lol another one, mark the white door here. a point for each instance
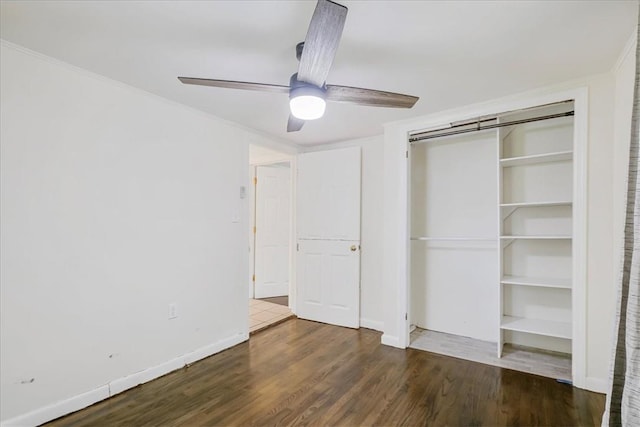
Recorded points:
(328, 237)
(272, 231)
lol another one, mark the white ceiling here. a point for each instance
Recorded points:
(449, 53)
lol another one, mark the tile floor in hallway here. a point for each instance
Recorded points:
(263, 314)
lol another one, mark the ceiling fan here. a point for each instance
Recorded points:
(307, 89)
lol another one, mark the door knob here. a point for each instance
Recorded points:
(353, 248)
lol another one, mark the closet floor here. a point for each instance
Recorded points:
(546, 364)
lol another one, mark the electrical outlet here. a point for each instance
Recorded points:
(173, 313)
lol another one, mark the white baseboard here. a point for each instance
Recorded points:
(51, 412)
(371, 324)
(214, 348)
(390, 340)
(75, 403)
(125, 383)
(599, 385)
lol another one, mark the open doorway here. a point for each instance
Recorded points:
(270, 238)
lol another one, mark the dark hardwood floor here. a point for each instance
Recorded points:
(277, 300)
(302, 372)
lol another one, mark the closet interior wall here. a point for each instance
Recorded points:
(453, 228)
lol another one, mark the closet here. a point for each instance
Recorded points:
(492, 226)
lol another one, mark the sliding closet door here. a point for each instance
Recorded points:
(454, 258)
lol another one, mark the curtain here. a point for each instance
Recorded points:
(623, 399)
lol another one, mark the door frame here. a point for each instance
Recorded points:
(291, 160)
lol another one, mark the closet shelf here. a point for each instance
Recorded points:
(535, 204)
(537, 158)
(548, 328)
(537, 282)
(535, 226)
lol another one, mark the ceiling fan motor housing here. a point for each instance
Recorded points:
(307, 88)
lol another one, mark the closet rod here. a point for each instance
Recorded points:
(455, 238)
(423, 136)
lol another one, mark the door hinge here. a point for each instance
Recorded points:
(254, 230)
(253, 278)
(406, 153)
(255, 180)
(406, 316)
(297, 246)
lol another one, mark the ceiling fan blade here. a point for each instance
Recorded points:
(321, 42)
(370, 97)
(230, 84)
(294, 124)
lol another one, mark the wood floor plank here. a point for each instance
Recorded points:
(308, 373)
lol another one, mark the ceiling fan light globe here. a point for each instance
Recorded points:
(307, 107)
(306, 102)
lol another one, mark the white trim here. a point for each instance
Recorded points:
(268, 140)
(391, 341)
(75, 403)
(404, 239)
(371, 324)
(396, 236)
(293, 289)
(628, 49)
(579, 243)
(216, 347)
(57, 410)
(252, 236)
(597, 385)
(125, 383)
(286, 158)
(397, 207)
(359, 142)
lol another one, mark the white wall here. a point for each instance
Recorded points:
(600, 292)
(371, 225)
(115, 203)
